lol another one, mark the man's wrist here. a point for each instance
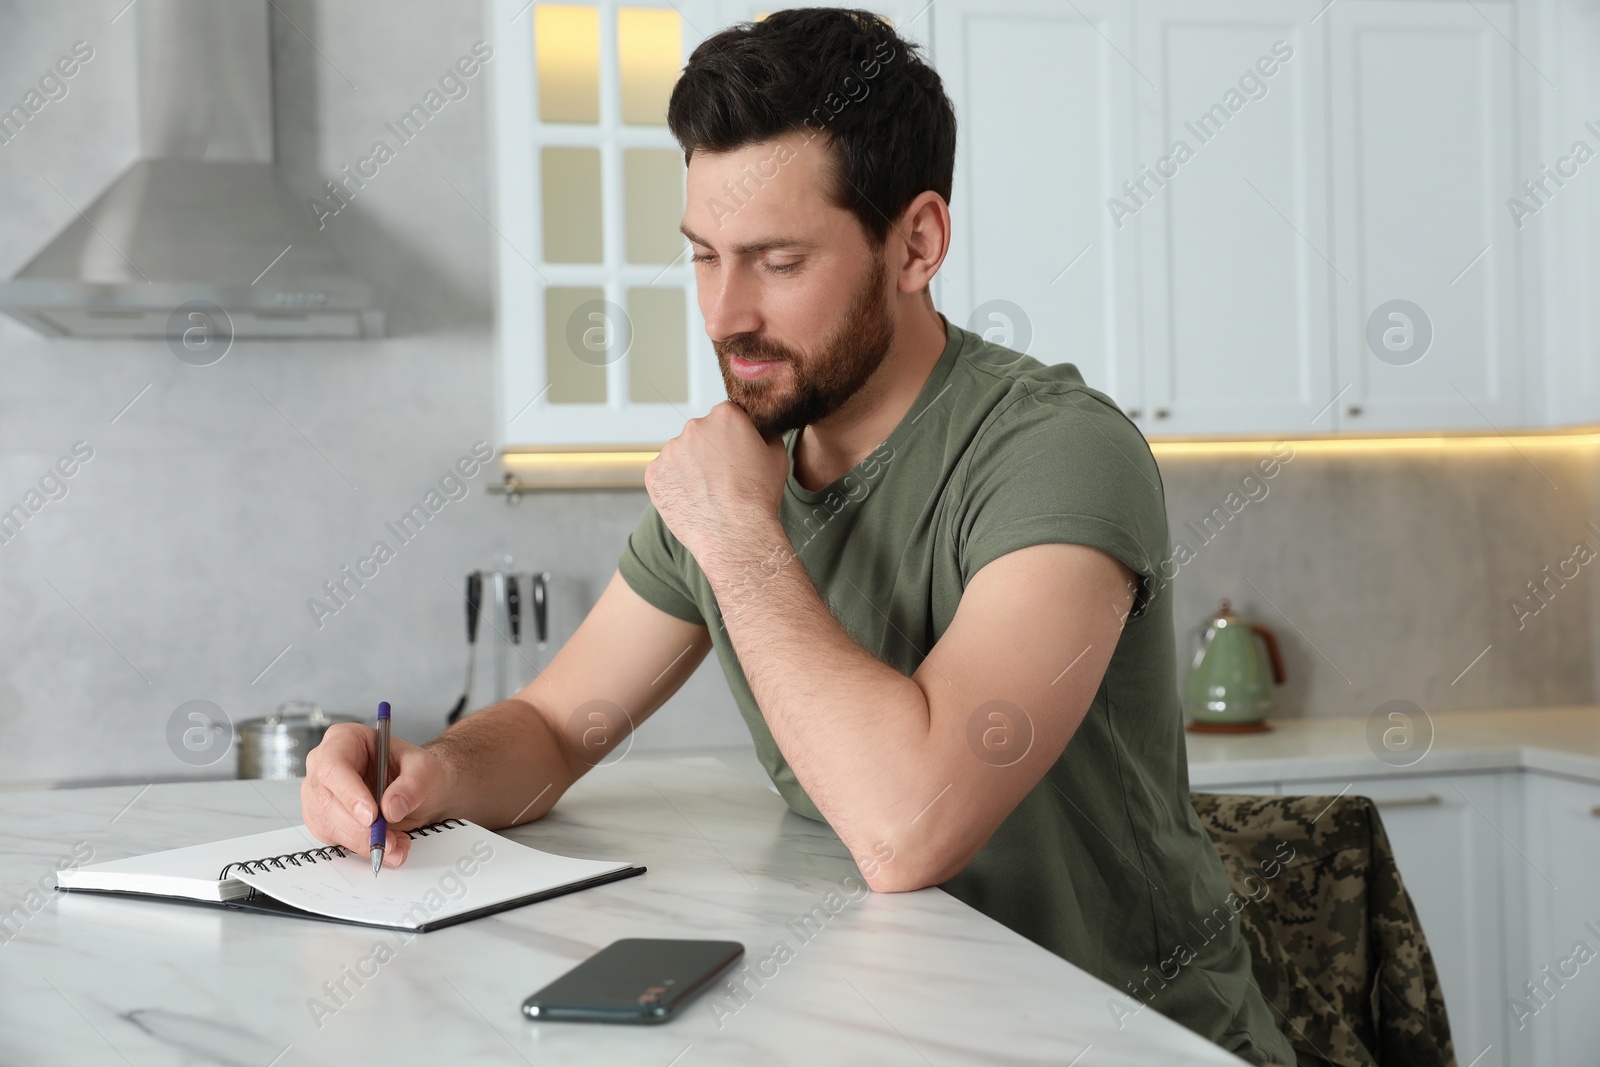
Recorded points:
(753, 547)
(448, 798)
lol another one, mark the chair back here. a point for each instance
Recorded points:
(1335, 941)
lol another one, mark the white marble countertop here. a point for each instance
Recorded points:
(916, 978)
(1564, 741)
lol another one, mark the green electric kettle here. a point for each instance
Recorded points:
(1229, 687)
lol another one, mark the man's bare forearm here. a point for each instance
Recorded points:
(855, 731)
(505, 764)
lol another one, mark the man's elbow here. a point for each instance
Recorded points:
(907, 872)
(887, 881)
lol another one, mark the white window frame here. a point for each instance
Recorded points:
(525, 418)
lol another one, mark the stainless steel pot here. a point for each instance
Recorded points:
(276, 746)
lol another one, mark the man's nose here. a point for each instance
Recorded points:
(729, 306)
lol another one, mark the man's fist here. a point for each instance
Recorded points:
(715, 476)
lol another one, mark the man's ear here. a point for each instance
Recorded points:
(921, 240)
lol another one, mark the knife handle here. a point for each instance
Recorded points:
(474, 602)
(541, 606)
(514, 608)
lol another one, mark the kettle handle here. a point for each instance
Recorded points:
(1274, 653)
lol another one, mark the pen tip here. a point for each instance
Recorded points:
(377, 861)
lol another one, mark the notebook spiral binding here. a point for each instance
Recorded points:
(326, 852)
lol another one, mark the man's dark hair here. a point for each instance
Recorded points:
(844, 77)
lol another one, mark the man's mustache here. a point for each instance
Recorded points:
(752, 350)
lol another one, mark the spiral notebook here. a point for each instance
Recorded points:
(455, 871)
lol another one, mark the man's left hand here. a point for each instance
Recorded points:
(716, 479)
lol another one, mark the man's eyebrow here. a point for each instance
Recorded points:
(750, 247)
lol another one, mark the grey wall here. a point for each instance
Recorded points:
(179, 563)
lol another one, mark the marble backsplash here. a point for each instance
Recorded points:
(1404, 574)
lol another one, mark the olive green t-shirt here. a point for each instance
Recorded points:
(1104, 862)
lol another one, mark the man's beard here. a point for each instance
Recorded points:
(821, 383)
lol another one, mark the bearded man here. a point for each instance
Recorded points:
(926, 562)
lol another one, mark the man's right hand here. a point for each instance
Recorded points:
(336, 797)
(508, 763)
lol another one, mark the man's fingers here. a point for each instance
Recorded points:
(397, 803)
(341, 765)
(337, 801)
(413, 796)
(332, 822)
(396, 848)
(349, 789)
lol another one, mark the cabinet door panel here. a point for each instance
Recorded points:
(1446, 835)
(1230, 202)
(1423, 152)
(1559, 1018)
(574, 269)
(1043, 99)
(1566, 220)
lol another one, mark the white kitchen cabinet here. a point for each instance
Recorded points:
(1249, 231)
(1558, 1020)
(1043, 94)
(599, 334)
(1248, 281)
(1423, 160)
(1209, 206)
(1071, 185)
(1446, 834)
(1563, 230)
(1232, 216)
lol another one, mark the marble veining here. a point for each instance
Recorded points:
(915, 978)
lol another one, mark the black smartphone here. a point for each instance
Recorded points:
(635, 980)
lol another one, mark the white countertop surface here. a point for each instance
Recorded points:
(1564, 741)
(915, 978)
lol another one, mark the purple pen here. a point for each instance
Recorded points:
(380, 829)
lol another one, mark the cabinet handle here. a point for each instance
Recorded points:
(1354, 410)
(1162, 413)
(1417, 802)
(1134, 413)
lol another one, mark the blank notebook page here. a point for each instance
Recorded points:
(451, 871)
(191, 871)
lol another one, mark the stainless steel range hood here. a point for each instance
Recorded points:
(203, 214)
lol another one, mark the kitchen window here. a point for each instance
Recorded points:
(601, 347)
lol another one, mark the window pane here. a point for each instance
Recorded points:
(571, 180)
(652, 183)
(658, 362)
(649, 56)
(566, 41)
(576, 344)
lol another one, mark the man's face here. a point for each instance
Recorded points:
(794, 295)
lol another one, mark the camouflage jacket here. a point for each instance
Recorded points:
(1336, 945)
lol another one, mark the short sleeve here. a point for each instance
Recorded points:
(1063, 467)
(649, 564)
